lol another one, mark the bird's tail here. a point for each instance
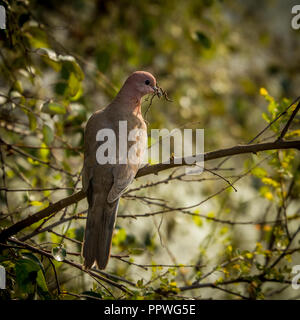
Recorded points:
(99, 230)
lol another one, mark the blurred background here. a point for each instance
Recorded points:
(228, 66)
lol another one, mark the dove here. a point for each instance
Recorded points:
(105, 182)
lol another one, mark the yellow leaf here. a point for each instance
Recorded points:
(229, 248)
(210, 215)
(44, 152)
(223, 230)
(295, 133)
(31, 161)
(263, 92)
(268, 195)
(288, 257)
(46, 193)
(152, 161)
(270, 181)
(10, 173)
(220, 280)
(249, 255)
(198, 221)
(268, 252)
(267, 227)
(36, 203)
(259, 172)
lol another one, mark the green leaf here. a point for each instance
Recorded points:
(56, 62)
(78, 94)
(26, 274)
(42, 286)
(73, 85)
(18, 86)
(32, 121)
(55, 65)
(50, 57)
(72, 66)
(30, 274)
(119, 237)
(37, 37)
(34, 258)
(44, 153)
(266, 117)
(53, 108)
(140, 283)
(203, 39)
(48, 134)
(272, 107)
(259, 172)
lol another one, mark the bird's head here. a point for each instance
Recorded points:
(141, 83)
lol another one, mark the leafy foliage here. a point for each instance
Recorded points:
(176, 236)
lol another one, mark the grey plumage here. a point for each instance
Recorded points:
(105, 183)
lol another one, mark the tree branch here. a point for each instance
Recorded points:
(286, 127)
(152, 169)
(76, 265)
(240, 149)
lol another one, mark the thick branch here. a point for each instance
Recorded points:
(252, 148)
(153, 169)
(53, 208)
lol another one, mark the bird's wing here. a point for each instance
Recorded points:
(90, 146)
(97, 121)
(125, 173)
(123, 176)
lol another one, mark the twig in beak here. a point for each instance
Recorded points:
(158, 91)
(164, 93)
(151, 99)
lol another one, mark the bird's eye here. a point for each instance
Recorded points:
(147, 82)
